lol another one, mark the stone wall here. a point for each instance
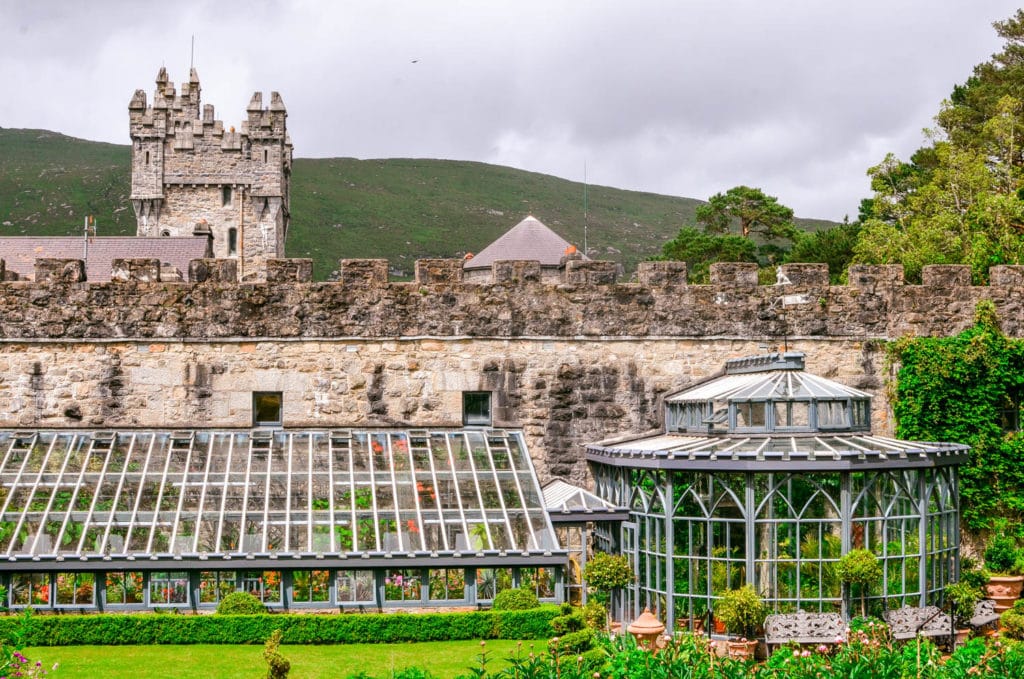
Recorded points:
(568, 362)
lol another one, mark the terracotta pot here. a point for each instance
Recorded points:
(698, 625)
(719, 626)
(741, 650)
(961, 636)
(1004, 590)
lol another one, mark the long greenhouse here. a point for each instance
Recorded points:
(767, 475)
(339, 519)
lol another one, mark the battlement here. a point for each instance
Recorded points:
(514, 302)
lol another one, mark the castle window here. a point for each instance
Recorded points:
(266, 408)
(147, 157)
(165, 233)
(476, 408)
(266, 156)
(225, 196)
(232, 241)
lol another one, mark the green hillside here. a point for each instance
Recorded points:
(400, 209)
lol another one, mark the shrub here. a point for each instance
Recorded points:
(605, 573)
(278, 665)
(1001, 555)
(595, 615)
(109, 629)
(240, 603)
(572, 643)
(515, 600)
(741, 610)
(963, 597)
(860, 567)
(571, 622)
(1012, 620)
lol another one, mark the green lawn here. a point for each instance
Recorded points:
(444, 659)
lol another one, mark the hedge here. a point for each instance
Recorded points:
(113, 629)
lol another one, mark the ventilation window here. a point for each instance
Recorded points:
(225, 196)
(165, 233)
(266, 408)
(476, 408)
(232, 241)
(147, 157)
(266, 156)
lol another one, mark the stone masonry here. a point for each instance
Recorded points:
(191, 175)
(569, 362)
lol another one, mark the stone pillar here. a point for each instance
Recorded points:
(213, 271)
(875, 278)
(661, 274)
(516, 271)
(1006, 276)
(290, 270)
(438, 271)
(60, 270)
(363, 273)
(143, 270)
(946, 275)
(733, 274)
(582, 272)
(806, 275)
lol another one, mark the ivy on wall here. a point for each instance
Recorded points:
(968, 388)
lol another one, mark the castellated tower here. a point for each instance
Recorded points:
(190, 175)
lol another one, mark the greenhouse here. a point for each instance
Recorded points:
(767, 475)
(331, 519)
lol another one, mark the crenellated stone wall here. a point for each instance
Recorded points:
(569, 362)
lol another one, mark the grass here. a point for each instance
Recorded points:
(445, 660)
(401, 209)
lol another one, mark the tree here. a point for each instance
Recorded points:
(832, 246)
(699, 249)
(756, 212)
(959, 200)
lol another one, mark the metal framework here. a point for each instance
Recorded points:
(452, 503)
(778, 508)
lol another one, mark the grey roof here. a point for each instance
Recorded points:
(561, 495)
(433, 494)
(21, 253)
(528, 240)
(775, 452)
(766, 377)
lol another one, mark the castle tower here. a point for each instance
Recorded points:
(190, 175)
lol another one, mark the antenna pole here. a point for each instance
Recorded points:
(192, 54)
(585, 224)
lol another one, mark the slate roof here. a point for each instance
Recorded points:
(528, 240)
(20, 253)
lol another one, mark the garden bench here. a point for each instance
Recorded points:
(910, 621)
(984, 615)
(804, 628)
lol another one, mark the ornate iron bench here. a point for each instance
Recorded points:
(984, 615)
(803, 628)
(910, 621)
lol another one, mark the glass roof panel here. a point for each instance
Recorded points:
(167, 493)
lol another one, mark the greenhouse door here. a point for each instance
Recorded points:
(627, 610)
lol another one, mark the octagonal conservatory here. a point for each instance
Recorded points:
(767, 475)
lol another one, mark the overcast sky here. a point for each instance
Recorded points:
(684, 97)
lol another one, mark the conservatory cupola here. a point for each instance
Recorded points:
(765, 394)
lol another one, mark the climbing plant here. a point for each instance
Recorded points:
(968, 388)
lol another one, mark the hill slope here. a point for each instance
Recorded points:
(401, 209)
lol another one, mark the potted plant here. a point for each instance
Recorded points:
(1005, 563)
(605, 574)
(742, 611)
(860, 567)
(962, 598)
